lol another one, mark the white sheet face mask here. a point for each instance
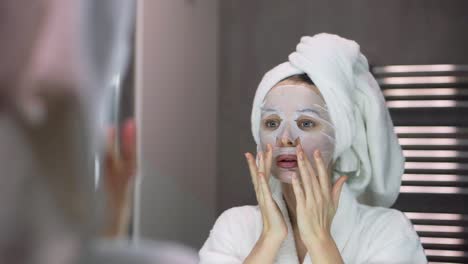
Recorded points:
(293, 114)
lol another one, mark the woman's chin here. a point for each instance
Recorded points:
(286, 176)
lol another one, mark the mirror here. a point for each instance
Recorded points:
(116, 164)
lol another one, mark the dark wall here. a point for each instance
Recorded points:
(257, 35)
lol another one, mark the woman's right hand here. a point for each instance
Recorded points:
(119, 173)
(274, 226)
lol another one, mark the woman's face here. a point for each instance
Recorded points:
(294, 113)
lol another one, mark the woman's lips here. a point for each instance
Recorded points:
(286, 161)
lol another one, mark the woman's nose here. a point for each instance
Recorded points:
(286, 142)
(285, 138)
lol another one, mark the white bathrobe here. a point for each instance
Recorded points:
(366, 149)
(363, 234)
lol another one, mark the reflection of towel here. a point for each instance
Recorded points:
(366, 146)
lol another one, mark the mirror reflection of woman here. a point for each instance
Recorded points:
(328, 166)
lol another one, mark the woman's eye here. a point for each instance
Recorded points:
(306, 124)
(272, 124)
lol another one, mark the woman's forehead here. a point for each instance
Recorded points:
(299, 83)
(294, 94)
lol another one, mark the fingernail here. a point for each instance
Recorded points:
(246, 155)
(301, 156)
(317, 154)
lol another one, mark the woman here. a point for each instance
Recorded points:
(317, 119)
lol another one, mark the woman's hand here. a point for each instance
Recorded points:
(317, 202)
(119, 171)
(274, 226)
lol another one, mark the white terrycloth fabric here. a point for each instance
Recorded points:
(367, 148)
(363, 234)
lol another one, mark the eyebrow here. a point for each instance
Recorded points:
(269, 110)
(308, 110)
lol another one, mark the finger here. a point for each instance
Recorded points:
(268, 162)
(337, 190)
(129, 140)
(262, 185)
(261, 162)
(110, 141)
(111, 158)
(252, 169)
(304, 173)
(129, 148)
(324, 178)
(261, 198)
(265, 187)
(317, 192)
(298, 193)
(260, 171)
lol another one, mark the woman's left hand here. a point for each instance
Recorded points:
(317, 202)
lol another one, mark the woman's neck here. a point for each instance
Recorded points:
(288, 195)
(290, 198)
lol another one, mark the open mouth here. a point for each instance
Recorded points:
(286, 161)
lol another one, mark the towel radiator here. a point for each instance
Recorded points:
(429, 108)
